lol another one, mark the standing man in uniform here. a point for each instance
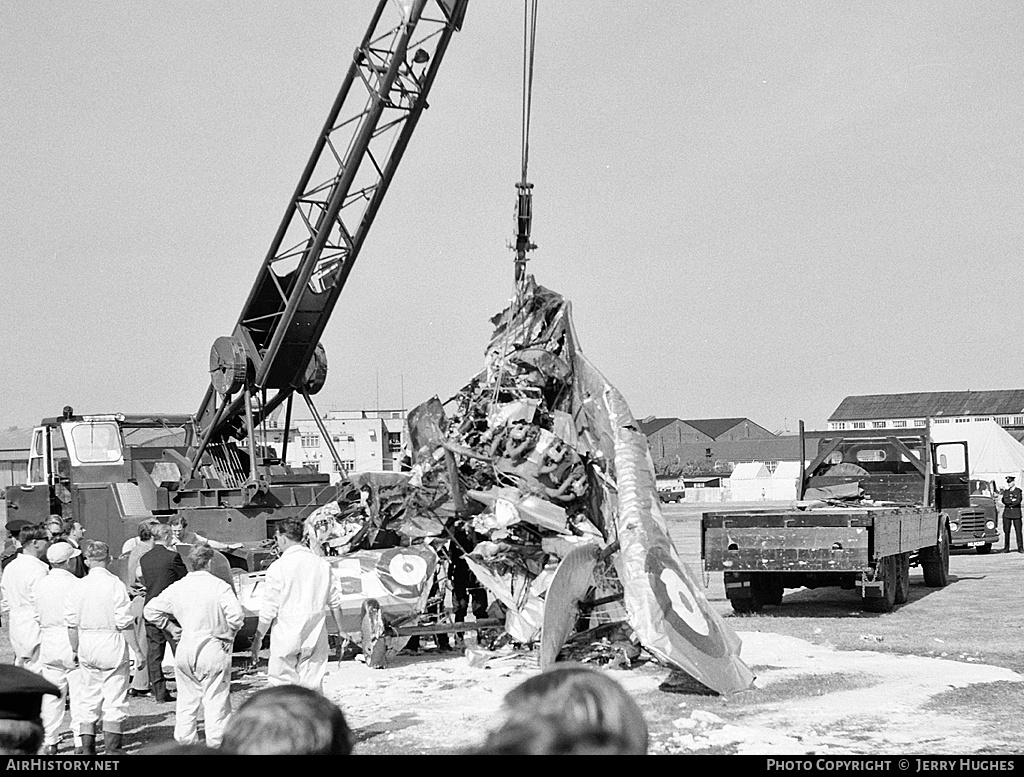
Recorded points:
(99, 621)
(56, 655)
(161, 567)
(298, 594)
(1012, 498)
(209, 615)
(18, 594)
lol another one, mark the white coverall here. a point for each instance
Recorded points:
(299, 589)
(209, 615)
(17, 590)
(99, 608)
(58, 660)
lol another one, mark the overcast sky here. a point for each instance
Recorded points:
(756, 208)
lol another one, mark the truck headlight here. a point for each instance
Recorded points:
(990, 524)
(954, 526)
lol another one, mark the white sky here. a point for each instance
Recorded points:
(756, 208)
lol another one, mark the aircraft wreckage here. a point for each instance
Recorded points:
(537, 470)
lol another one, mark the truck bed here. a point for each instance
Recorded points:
(813, 540)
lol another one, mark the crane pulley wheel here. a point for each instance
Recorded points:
(228, 365)
(316, 372)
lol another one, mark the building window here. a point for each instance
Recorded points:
(394, 442)
(1003, 420)
(311, 441)
(982, 418)
(878, 424)
(920, 422)
(841, 425)
(941, 421)
(1018, 420)
(707, 453)
(962, 420)
(771, 465)
(860, 425)
(901, 424)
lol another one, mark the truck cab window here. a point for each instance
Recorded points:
(96, 443)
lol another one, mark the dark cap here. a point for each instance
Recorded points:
(16, 525)
(1009, 478)
(21, 693)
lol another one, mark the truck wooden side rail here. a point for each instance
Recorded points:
(871, 507)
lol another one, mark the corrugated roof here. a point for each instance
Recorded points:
(713, 427)
(930, 404)
(650, 425)
(15, 439)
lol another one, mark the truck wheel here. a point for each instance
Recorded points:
(983, 549)
(886, 572)
(902, 578)
(935, 562)
(767, 589)
(744, 606)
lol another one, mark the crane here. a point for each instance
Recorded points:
(274, 350)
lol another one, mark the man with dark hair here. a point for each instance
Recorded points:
(21, 695)
(299, 592)
(287, 720)
(209, 615)
(99, 621)
(161, 567)
(137, 547)
(17, 593)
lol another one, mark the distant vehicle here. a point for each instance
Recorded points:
(974, 526)
(671, 494)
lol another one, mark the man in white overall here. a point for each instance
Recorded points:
(99, 621)
(209, 615)
(58, 659)
(18, 595)
(299, 592)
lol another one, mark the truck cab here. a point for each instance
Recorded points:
(106, 471)
(974, 525)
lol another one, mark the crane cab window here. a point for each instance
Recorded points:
(96, 443)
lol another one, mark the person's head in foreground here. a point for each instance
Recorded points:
(569, 710)
(21, 702)
(287, 720)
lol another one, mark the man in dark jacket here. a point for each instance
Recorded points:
(161, 567)
(1012, 498)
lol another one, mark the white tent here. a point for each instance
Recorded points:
(785, 480)
(750, 482)
(992, 452)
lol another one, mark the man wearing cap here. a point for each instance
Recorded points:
(209, 615)
(99, 621)
(299, 592)
(21, 694)
(14, 548)
(1012, 498)
(59, 665)
(18, 595)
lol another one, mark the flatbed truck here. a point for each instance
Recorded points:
(872, 505)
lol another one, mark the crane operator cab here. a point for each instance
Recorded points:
(105, 471)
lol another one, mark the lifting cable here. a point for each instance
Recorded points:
(524, 198)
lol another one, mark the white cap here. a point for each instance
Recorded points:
(59, 552)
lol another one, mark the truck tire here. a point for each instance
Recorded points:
(983, 549)
(935, 562)
(752, 603)
(887, 572)
(767, 588)
(902, 578)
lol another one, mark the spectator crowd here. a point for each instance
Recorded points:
(86, 640)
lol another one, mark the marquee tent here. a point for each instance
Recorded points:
(991, 451)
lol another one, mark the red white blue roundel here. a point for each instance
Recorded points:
(678, 604)
(402, 572)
